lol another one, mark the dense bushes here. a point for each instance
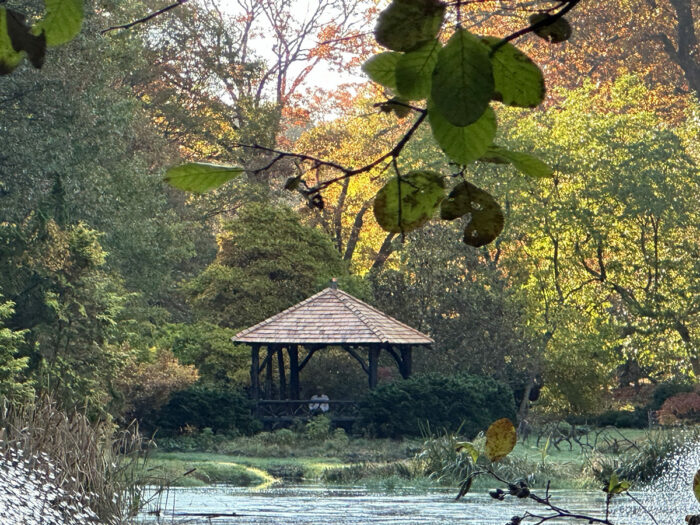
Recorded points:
(406, 408)
(664, 391)
(197, 408)
(670, 402)
(637, 418)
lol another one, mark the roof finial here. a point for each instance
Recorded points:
(334, 283)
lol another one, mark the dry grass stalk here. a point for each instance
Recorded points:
(94, 461)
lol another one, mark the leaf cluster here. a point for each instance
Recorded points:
(455, 85)
(60, 23)
(457, 82)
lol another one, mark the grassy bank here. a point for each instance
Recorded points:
(205, 468)
(336, 459)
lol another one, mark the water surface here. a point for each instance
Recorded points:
(316, 505)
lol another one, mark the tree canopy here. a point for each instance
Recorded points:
(558, 140)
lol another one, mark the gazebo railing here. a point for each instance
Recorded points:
(272, 410)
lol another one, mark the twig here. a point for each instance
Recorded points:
(551, 18)
(347, 172)
(145, 18)
(643, 508)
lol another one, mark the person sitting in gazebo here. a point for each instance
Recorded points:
(319, 403)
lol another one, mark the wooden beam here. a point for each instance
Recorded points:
(352, 352)
(268, 373)
(396, 357)
(254, 371)
(283, 376)
(407, 358)
(373, 365)
(293, 352)
(306, 359)
(264, 363)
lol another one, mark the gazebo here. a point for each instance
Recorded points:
(332, 317)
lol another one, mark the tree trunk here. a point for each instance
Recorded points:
(687, 53)
(524, 407)
(385, 251)
(355, 232)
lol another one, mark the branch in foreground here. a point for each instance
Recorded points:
(550, 19)
(347, 172)
(145, 18)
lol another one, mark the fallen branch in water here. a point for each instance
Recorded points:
(208, 514)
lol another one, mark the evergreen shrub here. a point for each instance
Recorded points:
(637, 418)
(663, 391)
(223, 411)
(435, 402)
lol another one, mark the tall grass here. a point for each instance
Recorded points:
(404, 470)
(645, 460)
(99, 466)
(443, 460)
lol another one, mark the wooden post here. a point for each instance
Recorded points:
(283, 376)
(268, 374)
(406, 359)
(373, 365)
(293, 352)
(254, 368)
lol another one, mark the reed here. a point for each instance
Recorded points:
(95, 465)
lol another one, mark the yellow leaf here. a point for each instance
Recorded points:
(500, 439)
(463, 446)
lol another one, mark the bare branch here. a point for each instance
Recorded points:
(145, 18)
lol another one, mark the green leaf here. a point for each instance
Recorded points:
(557, 31)
(9, 58)
(615, 486)
(518, 81)
(524, 162)
(464, 144)
(62, 21)
(544, 450)
(23, 40)
(463, 79)
(486, 221)
(420, 194)
(199, 177)
(696, 485)
(500, 439)
(463, 446)
(414, 71)
(381, 68)
(407, 23)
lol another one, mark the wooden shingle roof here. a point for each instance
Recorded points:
(332, 317)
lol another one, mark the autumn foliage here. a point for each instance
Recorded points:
(681, 408)
(147, 386)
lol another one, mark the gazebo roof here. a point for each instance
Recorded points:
(332, 317)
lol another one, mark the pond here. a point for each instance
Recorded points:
(316, 505)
